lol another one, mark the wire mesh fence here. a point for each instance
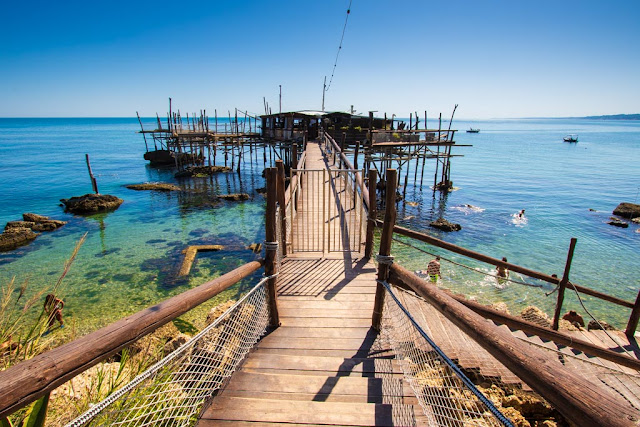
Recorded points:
(174, 390)
(446, 395)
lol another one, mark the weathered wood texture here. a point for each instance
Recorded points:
(31, 379)
(580, 401)
(324, 365)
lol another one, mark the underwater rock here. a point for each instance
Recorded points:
(16, 237)
(218, 310)
(627, 210)
(176, 342)
(603, 325)
(155, 186)
(444, 225)
(573, 317)
(261, 190)
(41, 222)
(636, 220)
(92, 203)
(201, 171)
(234, 197)
(617, 223)
(534, 315)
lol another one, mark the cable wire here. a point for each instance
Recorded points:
(339, 47)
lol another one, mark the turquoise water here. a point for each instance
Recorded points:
(524, 164)
(132, 255)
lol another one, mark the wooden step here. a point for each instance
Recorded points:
(308, 332)
(281, 411)
(385, 353)
(326, 322)
(325, 305)
(317, 388)
(320, 314)
(337, 365)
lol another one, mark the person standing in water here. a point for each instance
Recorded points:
(501, 271)
(53, 308)
(433, 269)
(521, 214)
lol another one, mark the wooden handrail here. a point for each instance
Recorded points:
(495, 261)
(546, 333)
(29, 380)
(359, 182)
(573, 396)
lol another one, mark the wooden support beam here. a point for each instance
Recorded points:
(633, 318)
(557, 337)
(563, 284)
(29, 380)
(371, 220)
(386, 239)
(271, 253)
(281, 198)
(573, 396)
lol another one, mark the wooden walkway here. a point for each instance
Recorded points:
(325, 365)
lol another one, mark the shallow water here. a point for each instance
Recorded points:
(131, 256)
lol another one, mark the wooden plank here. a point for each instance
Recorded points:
(244, 409)
(354, 344)
(318, 314)
(384, 353)
(307, 332)
(326, 305)
(326, 322)
(327, 364)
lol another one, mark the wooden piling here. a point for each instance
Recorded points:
(94, 183)
(385, 245)
(280, 198)
(371, 221)
(563, 284)
(633, 318)
(270, 266)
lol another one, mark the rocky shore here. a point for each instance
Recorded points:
(20, 233)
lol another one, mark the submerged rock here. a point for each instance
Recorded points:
(618, 223)
(444, 225)
(15, 237)
(42, 223)
(201, 171)
(627, 210)
(155, 186)
(92, 203)
(234, 197)
(534, 315)
(603, 325)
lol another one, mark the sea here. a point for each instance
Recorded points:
(131, 256)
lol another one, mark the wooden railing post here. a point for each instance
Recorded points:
(271, 252)
(385, 245)
(294, 156)
(371, 221)
(563, 284)
(280, 198)
(633, 318)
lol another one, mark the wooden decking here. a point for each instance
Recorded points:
(324, 364)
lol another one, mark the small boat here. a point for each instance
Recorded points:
(571, 138)
(472, 130)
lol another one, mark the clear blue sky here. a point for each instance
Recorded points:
(494, 58)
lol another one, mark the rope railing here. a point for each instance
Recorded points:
(173, 391)
(446, 395)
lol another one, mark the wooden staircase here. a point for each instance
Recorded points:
(324, 365)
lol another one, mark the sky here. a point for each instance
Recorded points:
(496, 59)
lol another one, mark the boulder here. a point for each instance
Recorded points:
(16, 237)
(155, 186)
(573, 317)
(42, 223)
(444, 225)
(92, 203)
(627, 210)
(19, 224)
(218, 310)
(534, 315)
(176, 342)
(617, 223)
(234, 197)
(201, 171)
(594, 325)
(636, 220)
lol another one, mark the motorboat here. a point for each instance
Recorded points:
(571, 138)
(472, 130)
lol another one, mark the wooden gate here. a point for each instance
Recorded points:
(325, 212)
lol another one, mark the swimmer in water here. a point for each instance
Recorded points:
(521, 214)
(502, 272)
(433, 269)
